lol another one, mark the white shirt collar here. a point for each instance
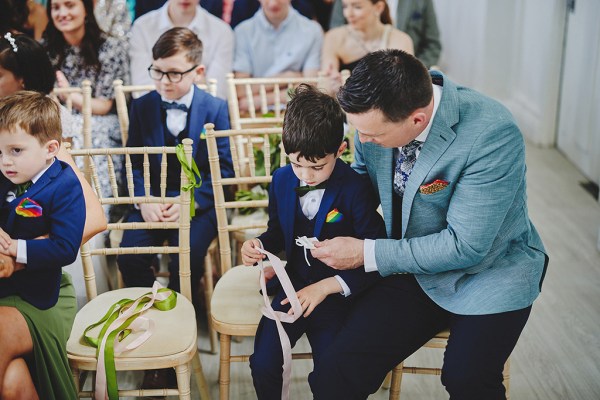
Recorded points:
(437, 95)
(267, 24)
(166, 23)
(186, 99)
(39, 174)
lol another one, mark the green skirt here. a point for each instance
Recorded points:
(50, 329)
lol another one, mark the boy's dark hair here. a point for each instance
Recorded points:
(93, 38)
(30, 63)
(392, 81)
(175, 40)
(43, 123)
(313, 125)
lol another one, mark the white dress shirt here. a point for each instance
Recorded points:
(177, 119)
(216, 37)
(369, 244)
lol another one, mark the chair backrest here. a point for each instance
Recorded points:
(258, 139)
(261, 86)
(121, 92)
(86, 109)
(183, 225)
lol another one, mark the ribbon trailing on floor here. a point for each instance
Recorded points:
(191, 171)
(122, 319)
(280, 316)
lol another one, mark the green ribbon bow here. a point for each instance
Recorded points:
(121, 332)
(191, 171)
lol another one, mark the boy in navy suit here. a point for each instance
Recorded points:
(176, 110)
(41, 197)
(318, 196)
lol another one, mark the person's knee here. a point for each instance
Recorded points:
(464, 381)
(265, 366)
(17, 383)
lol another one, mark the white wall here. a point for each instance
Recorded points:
(510, 50)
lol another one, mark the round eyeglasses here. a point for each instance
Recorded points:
(172, 76)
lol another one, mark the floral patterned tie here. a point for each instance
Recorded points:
(404, 165)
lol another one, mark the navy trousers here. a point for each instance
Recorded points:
(136, 268)
(394, 319)
(321, 328)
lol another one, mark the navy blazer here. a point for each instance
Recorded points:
(146, 128)
(346, 191)
(60, 196)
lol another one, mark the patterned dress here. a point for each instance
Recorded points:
(105, 128)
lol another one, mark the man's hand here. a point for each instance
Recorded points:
(312, 295)
(7, 266)
(250, 255)
(340, 252)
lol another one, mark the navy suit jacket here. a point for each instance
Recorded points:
(59, 193)
(147, 129)
(346, 191)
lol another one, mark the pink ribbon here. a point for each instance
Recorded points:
(280, 316)
(140, 324)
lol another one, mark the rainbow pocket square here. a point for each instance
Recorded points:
(433, 187)
(334, 216)
(29, 208)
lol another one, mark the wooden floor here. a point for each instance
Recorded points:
(558, 355)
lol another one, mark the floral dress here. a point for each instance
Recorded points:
(105, 128)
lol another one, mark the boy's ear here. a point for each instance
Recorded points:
(342, 148)
(199, 73)
(52, 148)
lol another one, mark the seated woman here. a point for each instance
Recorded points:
(33, 359)
(369, 29)
(80, 50)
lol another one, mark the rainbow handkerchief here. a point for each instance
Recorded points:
(29, 208)
(334, 216)
(203, 134)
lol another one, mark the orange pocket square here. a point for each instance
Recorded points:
(433, 187)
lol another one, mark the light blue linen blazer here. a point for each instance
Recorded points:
(471, 246)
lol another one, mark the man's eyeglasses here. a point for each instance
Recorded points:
(172, 76)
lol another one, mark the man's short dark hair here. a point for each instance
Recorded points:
(175, 40)
(392, 81)
(313, 125)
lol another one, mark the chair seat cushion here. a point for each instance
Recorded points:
(236, 298)
(174, 331)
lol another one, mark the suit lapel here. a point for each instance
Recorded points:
(381, 162)
(196, 117)
(44, 180)
(158, 128)
(287, 211)
(331, 192)
(439, 139)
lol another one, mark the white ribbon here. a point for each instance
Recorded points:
(306, 243)
(280, 316)
(137, 325)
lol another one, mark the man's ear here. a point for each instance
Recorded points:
(419, 118)
(342, 148)
(52, 148)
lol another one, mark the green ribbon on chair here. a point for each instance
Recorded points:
(191, 171)
(117, 310)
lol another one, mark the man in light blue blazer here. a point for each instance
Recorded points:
(461, 252)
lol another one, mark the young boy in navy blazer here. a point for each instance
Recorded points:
(319, 196)
(42, 210)
(177, 109)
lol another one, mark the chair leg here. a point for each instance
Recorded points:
(386, 382)
(183, 381)
(208, 291)
(76, 377)
(200, 379)
(506, 378)
(396, 382)
(224, 368)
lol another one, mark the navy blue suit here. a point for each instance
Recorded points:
(147, 128)
(60, 196)
(352, 196)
